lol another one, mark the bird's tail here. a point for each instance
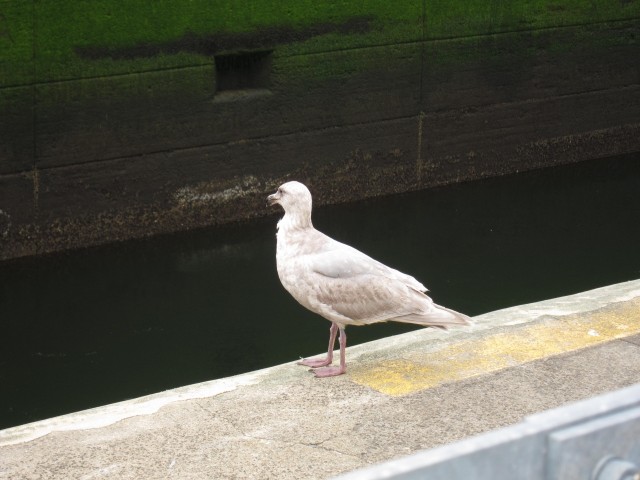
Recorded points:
(437, 316)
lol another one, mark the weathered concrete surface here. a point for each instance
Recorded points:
(283, 423)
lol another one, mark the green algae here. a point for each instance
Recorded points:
(462, 18)
(51, 35)
(42, 42)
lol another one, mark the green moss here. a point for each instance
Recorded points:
(16, 43)
(526, 45)
(43, 41)
(65, 28)
(458, 18)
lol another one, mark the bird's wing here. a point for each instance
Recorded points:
(367, 298)
(341, 261)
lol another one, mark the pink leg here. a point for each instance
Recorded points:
(333, 331)
(333, 371)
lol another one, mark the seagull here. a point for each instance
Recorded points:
(342, 284)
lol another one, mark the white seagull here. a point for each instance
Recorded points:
(342, 284)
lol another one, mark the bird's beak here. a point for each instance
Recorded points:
(273, 199)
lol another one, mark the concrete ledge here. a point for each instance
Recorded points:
(401, 395)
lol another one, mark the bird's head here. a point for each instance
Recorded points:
(294, 197)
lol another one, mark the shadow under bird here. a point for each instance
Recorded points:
(342, 284)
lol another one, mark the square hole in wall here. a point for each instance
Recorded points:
(243, 71)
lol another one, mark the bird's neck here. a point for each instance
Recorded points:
(294, 221)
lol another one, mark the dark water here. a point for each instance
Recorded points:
(96, 326)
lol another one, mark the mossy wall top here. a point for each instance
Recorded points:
(43, 41)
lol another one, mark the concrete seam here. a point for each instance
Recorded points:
(34, 126)
(420, 94)
(356, 124)
(419, 160)
(626, 340)
(534, 30)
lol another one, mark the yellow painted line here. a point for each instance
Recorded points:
(492, 352)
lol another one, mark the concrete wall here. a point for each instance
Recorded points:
(124, 119)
